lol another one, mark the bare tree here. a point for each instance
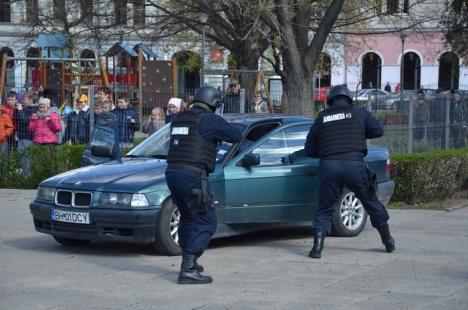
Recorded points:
(98, 20)
(303, 27)
(234, 25)
(456, 21)
(295, 31)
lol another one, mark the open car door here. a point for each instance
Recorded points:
(104, 144)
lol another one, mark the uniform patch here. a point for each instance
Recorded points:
(336, 117)
(180, 131)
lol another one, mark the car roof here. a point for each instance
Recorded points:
(252, 118)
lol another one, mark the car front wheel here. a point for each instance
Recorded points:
(350, 217)
(167, 230)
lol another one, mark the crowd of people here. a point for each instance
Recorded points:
(430, 117)
(35, 119)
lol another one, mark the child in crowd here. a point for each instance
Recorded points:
(173, 107)
(6, 130)
(128, 120)
(22, 118)
(154, 122)
(106, 105)
(45, 124)
(258, 104)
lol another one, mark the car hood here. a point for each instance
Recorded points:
(132, 175)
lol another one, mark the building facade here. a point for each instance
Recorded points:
(418, 58)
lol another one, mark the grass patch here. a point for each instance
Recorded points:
(460, 201)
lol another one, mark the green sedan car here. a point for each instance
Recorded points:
(263, 182)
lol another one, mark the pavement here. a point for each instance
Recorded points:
(266, 270)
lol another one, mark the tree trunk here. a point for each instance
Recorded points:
(298, 94)
(246, 61)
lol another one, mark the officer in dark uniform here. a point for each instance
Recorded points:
(192, 155)
(338, 137)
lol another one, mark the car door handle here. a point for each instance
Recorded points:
(311, 172)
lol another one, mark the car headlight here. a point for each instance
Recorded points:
(45, 193)
(139, 200)
(123, 199)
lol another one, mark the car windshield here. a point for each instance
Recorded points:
(157, 145)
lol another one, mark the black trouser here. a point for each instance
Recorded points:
(334, 175)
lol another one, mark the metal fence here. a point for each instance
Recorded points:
(413, 122)
(419, 120)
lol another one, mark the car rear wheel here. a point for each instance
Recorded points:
(71, 241)
(167, 228)
(350, 217)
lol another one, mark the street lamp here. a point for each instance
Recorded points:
(403, 36)
(203, 20)
(410, 106)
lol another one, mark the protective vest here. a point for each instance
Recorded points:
(187, 144)
(339, 132)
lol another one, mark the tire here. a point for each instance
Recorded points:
(167, 225)
(71, 241)
(350, 217)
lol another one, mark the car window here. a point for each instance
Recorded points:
(255, 134)
(272, 150)
(157, 145)
(296, 136)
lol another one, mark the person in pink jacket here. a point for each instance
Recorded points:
(45, 124)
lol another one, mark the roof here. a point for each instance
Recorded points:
(46, 40)
(120, 48)
(148, 51)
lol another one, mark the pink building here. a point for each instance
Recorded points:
(374, 60)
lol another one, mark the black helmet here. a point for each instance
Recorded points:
(208, 95)
(339, 90)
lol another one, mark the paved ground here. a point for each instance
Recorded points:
(257, 271)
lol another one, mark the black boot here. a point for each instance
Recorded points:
(189, 274)
(387, 239)
(316, 251)
(197, 266)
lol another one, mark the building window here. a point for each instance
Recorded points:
(59, 10)
(392, 6)
(457, 5)
(449, 71)
(139, 12)
(5, 11)
(32, 11)
(371, 71)
(412, 71)
(87, 11)
(378, 6)
(120, 8)
(406, 6)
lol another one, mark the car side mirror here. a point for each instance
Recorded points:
(102, 151)
(251, 159)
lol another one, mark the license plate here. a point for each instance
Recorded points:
(70, 216)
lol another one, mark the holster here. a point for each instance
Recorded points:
(204, 197)
(372, 181)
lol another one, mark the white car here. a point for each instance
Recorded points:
(369, 94)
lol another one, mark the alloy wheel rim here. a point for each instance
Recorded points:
(174, 225)
(351, 212)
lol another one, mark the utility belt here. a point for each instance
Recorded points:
(204, 197)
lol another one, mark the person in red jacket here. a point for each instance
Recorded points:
(45, 124)
(6, 130)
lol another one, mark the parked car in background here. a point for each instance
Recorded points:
(265, 181)
(391, 102)
(369, 94)
(320, 94)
